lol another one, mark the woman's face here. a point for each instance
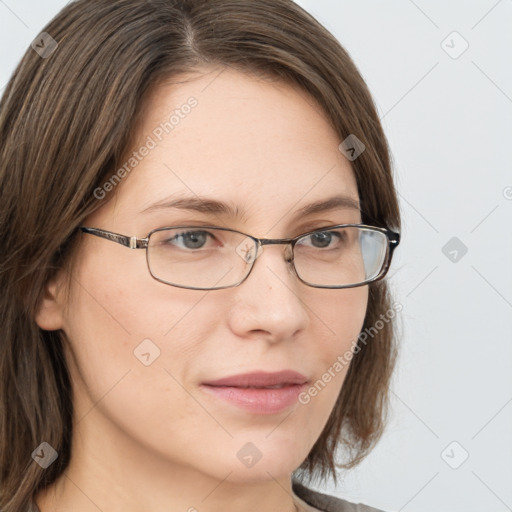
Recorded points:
(140, 350)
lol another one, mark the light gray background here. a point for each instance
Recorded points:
(449, 122)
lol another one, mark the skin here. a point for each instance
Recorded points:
(147, 438)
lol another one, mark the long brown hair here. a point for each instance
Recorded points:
(65, 122)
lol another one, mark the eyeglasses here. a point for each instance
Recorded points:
(213, 258)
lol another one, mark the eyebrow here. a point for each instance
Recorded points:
(207, 205)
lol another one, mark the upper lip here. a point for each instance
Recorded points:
(260, 379)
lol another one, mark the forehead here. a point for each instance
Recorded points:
(263, 146)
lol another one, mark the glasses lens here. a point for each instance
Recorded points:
(341, 257)
(198, 257)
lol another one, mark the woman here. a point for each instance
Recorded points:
(197, 211)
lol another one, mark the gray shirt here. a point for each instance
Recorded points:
(313, 501)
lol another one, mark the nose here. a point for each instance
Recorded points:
(268, 303)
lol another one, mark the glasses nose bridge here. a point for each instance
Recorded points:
(288, 242)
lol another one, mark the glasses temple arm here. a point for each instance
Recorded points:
(128, 241)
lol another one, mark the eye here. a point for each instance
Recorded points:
(322, 239)
(191, 239)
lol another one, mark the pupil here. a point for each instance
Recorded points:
(195, 239)
(322, 239)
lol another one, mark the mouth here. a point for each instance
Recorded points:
(258, 392)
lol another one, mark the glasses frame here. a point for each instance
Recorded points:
(133, 242)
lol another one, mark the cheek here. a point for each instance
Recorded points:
(341, 316)
(131, 348)
(116, 325)
(337, 325)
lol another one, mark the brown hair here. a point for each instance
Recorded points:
(65, 122)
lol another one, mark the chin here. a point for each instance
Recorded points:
(261, 461)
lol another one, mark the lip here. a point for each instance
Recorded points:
(260, 379)
(247, 391)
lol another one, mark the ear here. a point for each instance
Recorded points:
(49, 314)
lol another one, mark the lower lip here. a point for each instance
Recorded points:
(259, 401)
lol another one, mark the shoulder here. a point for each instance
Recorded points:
(326, 503)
